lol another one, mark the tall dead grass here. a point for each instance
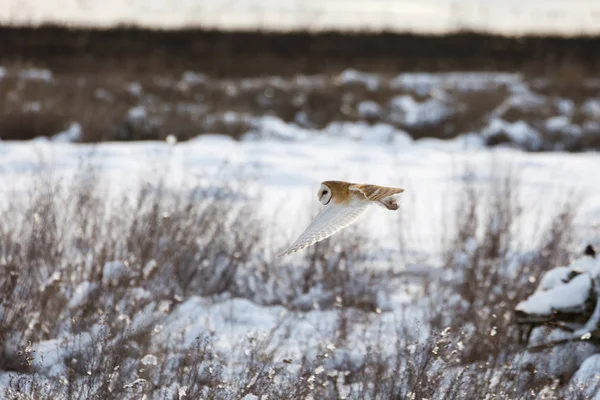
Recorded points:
(100, 273)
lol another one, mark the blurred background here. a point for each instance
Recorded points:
(144, 70)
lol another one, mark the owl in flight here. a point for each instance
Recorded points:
(344, 203)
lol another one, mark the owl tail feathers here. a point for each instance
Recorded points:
(390, 202)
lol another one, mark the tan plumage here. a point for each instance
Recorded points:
(379, 194)
(344, 203)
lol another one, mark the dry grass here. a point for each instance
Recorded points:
(125, 106)
(169, 246)
(488, 270)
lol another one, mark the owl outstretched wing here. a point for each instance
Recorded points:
(381, 195)
(330, 220)
(375, 192)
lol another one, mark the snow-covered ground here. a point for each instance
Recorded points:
(430, 16)
(291, 165)
(288, 164)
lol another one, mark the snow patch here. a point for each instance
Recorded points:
(137, 113)
(567, 297)
(522, 99)
(368, 109)
(81, 293)
(591, 108)
(270, 127)
(375, 134)
(566, 106)
(553, 278)
(114, 270)
(70, 135)
(407, 111)
(36, 74)
(519, 132)
(424, 83)
(562, 124)
(193, 78)
(135, 88)
(563, 289)
(350, 76)
(587, 377)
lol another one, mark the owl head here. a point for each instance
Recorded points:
(324, 194)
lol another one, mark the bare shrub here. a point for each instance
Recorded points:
(487, 270)
(96, 276)
(125, 105)
(336, 272)
(70, 257)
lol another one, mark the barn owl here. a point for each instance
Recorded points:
(344, 203)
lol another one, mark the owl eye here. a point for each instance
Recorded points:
(324, 192)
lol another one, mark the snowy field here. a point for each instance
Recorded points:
(510, 17)
(150, 268)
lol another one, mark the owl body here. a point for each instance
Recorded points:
(347, 193)
(344, 203)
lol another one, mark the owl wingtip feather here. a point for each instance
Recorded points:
(287, 251)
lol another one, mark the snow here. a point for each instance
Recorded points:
(135, 88)
(270, 127)
(553, 278)
(368, 108)
(557, 123)
(424, 83)
(71, 134)
(563, 288)
(519, 132)
(171, 140)
(361, 132)
(350, 76)
(352, 151)
(570, 296)
(414, 114)
(36, 74)
(587, 377)
(591, 108)
(566, 106)
(523, 99)
(193, 78)
(81, 294)
(591, 127)
(137, 113)
(113, 271)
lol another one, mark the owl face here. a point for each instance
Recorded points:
(324, 194)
